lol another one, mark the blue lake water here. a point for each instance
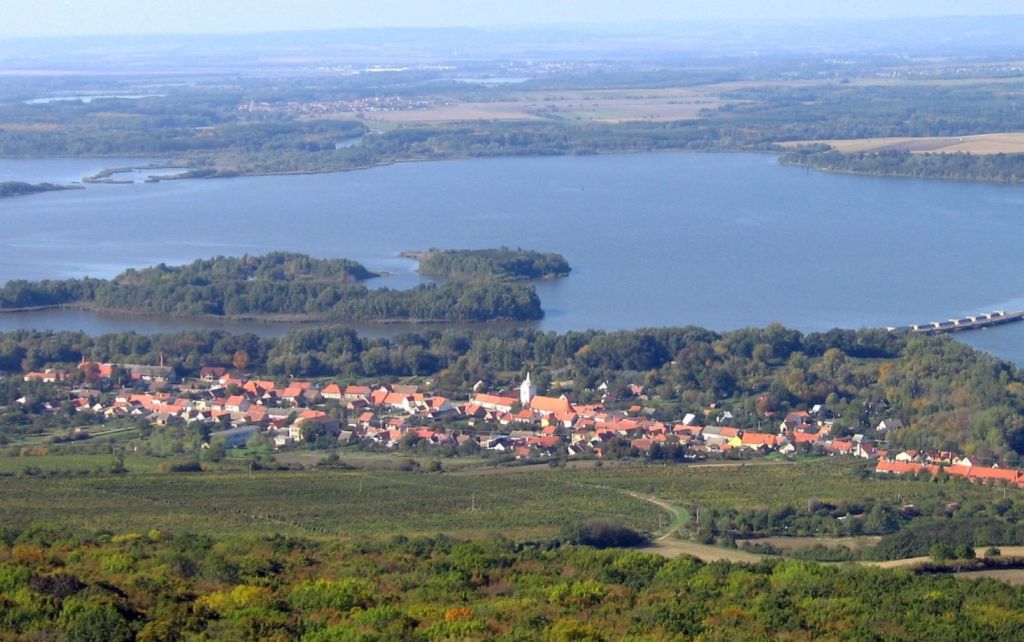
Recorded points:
(717, 240)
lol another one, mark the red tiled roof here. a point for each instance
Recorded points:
(331, 389)
(550, 404)
(902, 468)
(759, 439)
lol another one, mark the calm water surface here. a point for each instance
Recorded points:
(718, 240)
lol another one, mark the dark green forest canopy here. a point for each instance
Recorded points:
(289, 285)
(948, 395)
(499, 263)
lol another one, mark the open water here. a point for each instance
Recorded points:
(717, 240)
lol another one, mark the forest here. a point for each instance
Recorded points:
(949, 396)
(278, 284)
(499, 263)
(996, 168)
(162, 585)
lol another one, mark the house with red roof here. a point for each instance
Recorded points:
(905, 468)
(551, 405)
(494, 402)
(332, 391)
(759, 441)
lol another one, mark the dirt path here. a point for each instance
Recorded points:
(666, 545)
(679, 515)
(675, 547)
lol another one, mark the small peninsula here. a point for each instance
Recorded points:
(502, 263)
(279, 286)
(992, 168)
(19, 188)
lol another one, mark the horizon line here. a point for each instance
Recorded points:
(601, 27)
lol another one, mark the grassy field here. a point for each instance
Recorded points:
(773, 486)
(318, 503)
(377, 500)
(1003, 143)
(76, 463)
(378, 461)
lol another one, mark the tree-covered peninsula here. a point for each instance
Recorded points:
(278, 285)
(19, 188)
(995, 168)
(501, 263)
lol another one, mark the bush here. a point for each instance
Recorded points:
(604, 534)
(59, 585)
(940, 552)
(94, 622)
(186, 466)
(341, 595)
(964, 552)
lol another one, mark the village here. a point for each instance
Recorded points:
(517, 422)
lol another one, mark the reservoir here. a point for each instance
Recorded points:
(717, 240)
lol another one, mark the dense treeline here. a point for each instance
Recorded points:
(871, 110)
(500, 263)
(908, 530)
(949, 396)
(278, 284)
(18, 188)
(999, 168)
(165, 586)
(170, 125)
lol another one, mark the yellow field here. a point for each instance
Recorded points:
(1002, 143)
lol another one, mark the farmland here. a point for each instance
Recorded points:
(604, 106)
(815, 499)
(318, 503)
(319, 554)
(752, 487)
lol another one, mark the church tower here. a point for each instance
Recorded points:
(527, 391)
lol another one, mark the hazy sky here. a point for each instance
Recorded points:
(86, 17)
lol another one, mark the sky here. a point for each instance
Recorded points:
(21, 18)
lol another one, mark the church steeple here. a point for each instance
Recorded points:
(527, 391)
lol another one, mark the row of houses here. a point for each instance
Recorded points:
(517, 420)
(985, 474)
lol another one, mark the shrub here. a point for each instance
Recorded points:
(340, 595)
(940, 552)
(94, 622)
(59, 585)
(186, 466)
(604, 534)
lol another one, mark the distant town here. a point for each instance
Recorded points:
(515, 422)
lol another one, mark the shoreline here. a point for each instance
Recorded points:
(190, 172)
(298, 320)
